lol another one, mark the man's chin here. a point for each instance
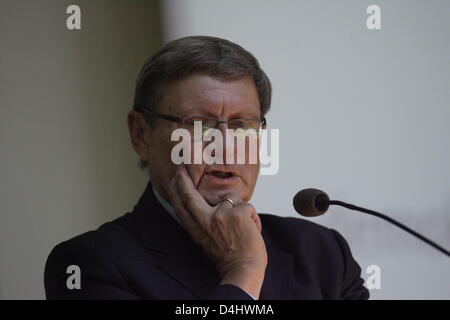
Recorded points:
(213, 199)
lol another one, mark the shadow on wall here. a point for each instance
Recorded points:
(111, 55)
(67, 164)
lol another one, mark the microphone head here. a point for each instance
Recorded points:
(311, 202)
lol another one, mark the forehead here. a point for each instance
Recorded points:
(203, 94)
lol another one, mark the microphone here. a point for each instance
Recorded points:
(314, 202)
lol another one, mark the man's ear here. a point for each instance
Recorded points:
(139, 131)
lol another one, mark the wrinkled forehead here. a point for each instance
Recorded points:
(207, 95)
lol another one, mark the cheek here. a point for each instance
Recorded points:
(251, 176)
(159, 151)
(159, 154)
(250, 173)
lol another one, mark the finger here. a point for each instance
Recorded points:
(251, 211)
(192, 200)
(240, 203)
(257, 220)
(227, 204)
(183, 215)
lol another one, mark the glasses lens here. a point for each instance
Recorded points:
(242, 127)
(239, 124)
(205, 123)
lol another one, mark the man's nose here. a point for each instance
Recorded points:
(228, 145)
(222, 125)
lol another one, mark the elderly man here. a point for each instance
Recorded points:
(193, 234)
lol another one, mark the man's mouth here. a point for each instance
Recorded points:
(221, 174)
(221, 177)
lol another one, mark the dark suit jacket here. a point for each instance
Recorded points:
(146, 254)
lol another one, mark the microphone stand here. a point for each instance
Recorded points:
(382, 216)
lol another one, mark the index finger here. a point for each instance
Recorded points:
(191, 198)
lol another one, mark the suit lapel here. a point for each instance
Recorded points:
(279, 272)
(172, 248)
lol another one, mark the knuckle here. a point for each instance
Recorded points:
(237, 214)
(186, 195)
(249, 208)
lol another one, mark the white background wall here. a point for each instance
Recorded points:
(362, 114)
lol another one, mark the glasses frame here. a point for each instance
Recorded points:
(263, 121)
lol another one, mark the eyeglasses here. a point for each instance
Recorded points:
(209, 123)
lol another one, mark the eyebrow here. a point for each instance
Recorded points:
(242, 114)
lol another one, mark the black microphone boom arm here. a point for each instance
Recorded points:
(398, 224)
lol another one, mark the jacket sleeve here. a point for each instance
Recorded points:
(98, 278)
(229, 292)
(352, 283)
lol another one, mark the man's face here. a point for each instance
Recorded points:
(207, 96)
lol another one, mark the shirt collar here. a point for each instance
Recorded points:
(166, 205)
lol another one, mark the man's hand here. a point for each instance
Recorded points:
(230, 236)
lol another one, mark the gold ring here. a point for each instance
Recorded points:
(229, 200)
